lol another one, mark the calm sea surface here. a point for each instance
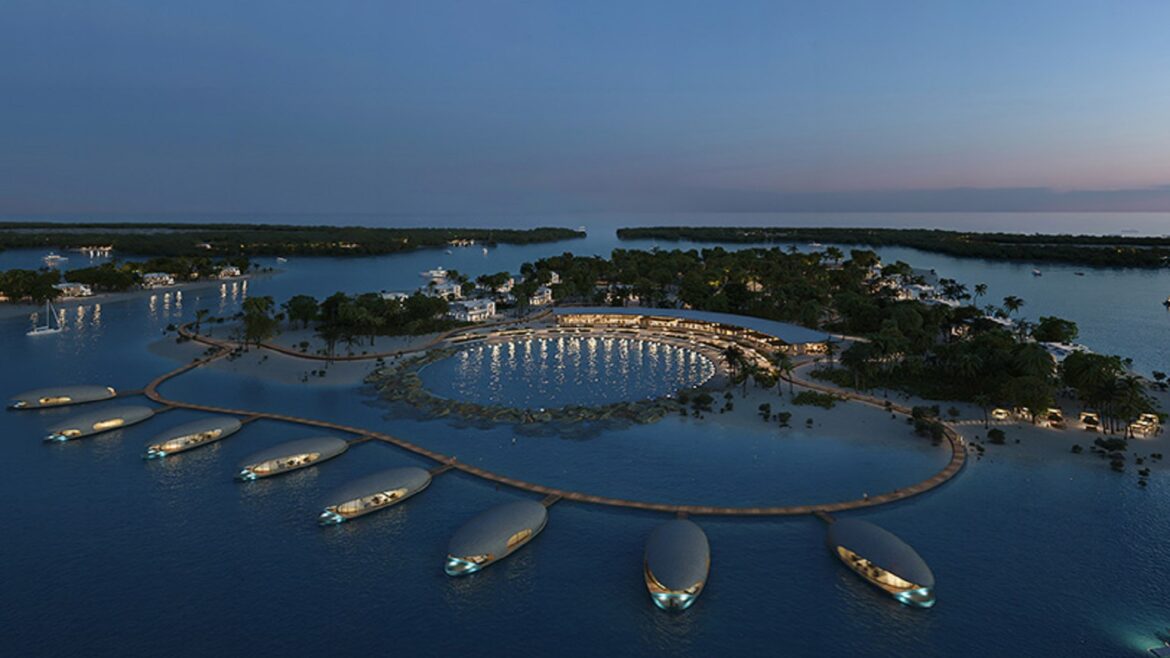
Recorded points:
(105, 554)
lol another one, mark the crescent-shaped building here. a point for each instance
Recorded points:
(676, 564)
(884, 560)
(290, 457)
(374, 492)
(97, 422)
(60, 396)
(192, 435)
(493, 535)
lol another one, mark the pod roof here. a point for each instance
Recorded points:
(678, 555)
(75, 393)
(328, 446)
(86, 421)
(882, 548)
(489, 531)
(227, 424)
(411, 478)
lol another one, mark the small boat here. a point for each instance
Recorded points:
(1079, 273)
(51, 259)
(281, 259)
(449, 252)
(815, 245)
(1166, 302)
(485, 251)
(1037, 273)
(52, 323)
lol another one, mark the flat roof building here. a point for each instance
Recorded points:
(472, 310)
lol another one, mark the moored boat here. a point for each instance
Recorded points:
(290, 456)
(59, 396)
(373, 492)
(192, 435)
(493, 535)
(883, 560)
(97, 422)
(676, 564)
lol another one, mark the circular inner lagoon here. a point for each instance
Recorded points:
(547, 373)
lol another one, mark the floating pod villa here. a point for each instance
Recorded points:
(879, 557)
(290, 457)
(97, 422)
(191, 435)
(60, 396)
(676, 564)
(494, 535)
(374, 492)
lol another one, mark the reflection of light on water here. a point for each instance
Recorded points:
(97, 315)
(153, 307)
(559, 371)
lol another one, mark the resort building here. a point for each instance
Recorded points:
(883, 560)
(448, 290)
(472, 310)
(494, 535)
(373, 493)
(392, 296)
(191, 435)
(506, 286)
(676, 564)
(229, 272)
(97, 422)
(61, 396)
(757, 337)
(542, 297)
(157, 280)
(71, 290)
(290, 457)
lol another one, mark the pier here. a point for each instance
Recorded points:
(361, 435)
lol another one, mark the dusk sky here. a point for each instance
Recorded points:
(386, 107)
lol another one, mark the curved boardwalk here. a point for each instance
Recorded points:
(958, 452)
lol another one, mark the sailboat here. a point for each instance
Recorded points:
(52, 322)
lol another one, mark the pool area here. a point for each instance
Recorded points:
(553, 372)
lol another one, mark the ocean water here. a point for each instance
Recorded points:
(105, 554)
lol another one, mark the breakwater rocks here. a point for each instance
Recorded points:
(400, 382)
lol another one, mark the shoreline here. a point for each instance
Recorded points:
(10, 310)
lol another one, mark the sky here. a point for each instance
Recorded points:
(348, 106)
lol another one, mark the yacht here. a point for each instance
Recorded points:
(51, 259)
(52, 323)
(1037, 273)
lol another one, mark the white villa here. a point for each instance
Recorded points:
(446, 290)
(70, 289)
(157, 280)
(472, 310)
(229, 272)
(388, 295)
(542, 297)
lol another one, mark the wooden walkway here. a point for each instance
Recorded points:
(958, 457)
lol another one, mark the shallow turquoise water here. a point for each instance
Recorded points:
(104, 551)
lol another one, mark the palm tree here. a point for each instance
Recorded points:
(1012, 303)
(830, 349)
(200, 316)
(783, 363)
(984, 402)
(734, 357)
(980, 290)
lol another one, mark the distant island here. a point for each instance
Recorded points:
(230, 240)
(1089, 250)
